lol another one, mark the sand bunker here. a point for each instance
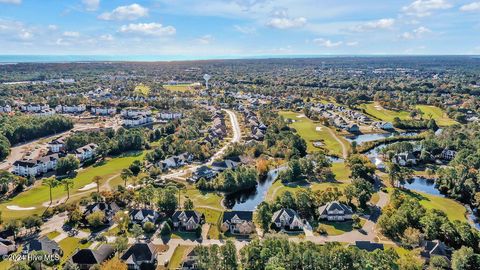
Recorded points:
(301, 116)
(88, 187)
(18, 208)
(318, 128)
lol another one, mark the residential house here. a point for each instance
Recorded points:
(7, 247)
(109, 209)
(35, 167)
(448, 154)
(103, 111)
(135, 121)
(131, 112)
(405, 159)
(203, 172)
(190, 261)
(238, 222)
(435, 248)
(187, 220)
(45, 112)
(335, 211)
(34, 107)
(221, 166)
(44, 244)
(288, 219)
(141, 216)
(5, 109)
(353, 128)
(383, 125)
(175, 161)
(170, 115)
(86, 152)
(140, 256)
(56, 145)
(73, 109)
(86, 258)
(8, 234)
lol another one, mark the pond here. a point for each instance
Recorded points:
(362, 138)
(249, 200)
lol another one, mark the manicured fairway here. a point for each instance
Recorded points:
(178, 87)
(279, 188)
(312, 132)
(39, 194)
(437, 114)
(341, 171)
(379, 112)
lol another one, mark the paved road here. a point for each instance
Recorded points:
(237, 134)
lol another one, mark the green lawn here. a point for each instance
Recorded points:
(201, 198)
(177, 257)
(453, 209)
(178, 87)
(341, 171)
(52, 235)
(434, 112)
(379, 112)
(437, 114)
(307, 129)
(337, 228)
(142, 89)
(39, 194)
(279, 188)
(69, 245)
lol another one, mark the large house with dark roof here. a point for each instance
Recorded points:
(86, 152)
(368, 246)
(287, 219)
(109, 209)
(141, 216)
(188, 220)
(7, 246)
(44, 244)
(203, 172)
(86, 258)
(140, 256)
(435, 248)
(238, 222)
(190, 261)
(335, 211)
(35, 167)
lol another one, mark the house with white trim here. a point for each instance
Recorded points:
(103, 110)
(335, 211)
(86, 152)
(34, 167)
(34, 107)
(288, 219)
(73, 109)
(187, 220)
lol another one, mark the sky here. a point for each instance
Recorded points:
(236, 28)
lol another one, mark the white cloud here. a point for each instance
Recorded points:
(422, 8)
(245, 29)
(131, 12)
(71, 34)
(107, 37)
(475, 6)
(327, 43)
(352, 43)
(416, 33)
(373, 25)
(52, 27)
(25, 34)
(17, 2)
(148, 29)
(206, 39)
(91, 5)
(280, 20)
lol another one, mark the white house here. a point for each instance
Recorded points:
(135, 121)
(5, 109)
(286, 218)
(448, 154)
(405, 159)
(131, 112)
(335, 211)
(383, 125)
(104, 110)
(71, 108)
(56, 145)
(86, 152)
(34, 107)
(34, 167)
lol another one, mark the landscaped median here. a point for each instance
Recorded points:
(33, 200)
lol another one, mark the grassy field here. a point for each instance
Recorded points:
(39, 194)
(341, 171)
(202, 199)
(142, 89)
(69, 245)
(436, 113)
(337, 228)
(178, 87)
(453, 209)
(177, 257)
(278, 188)
(311, 132)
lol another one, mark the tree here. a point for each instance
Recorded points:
(360, 189)
(121, 243)
(125, 175)
(69, 265)
(410, 262)
(135, 167)
(68, 184)
(96, 179)
(50, 183)
(438, 263)
(114, 263)
(264, 216)
(67, 165)
(412, 237)
(465, 259)
(148, 227)
(136, 230)
(75, 216)
(19, 266)
(229, 255)
(96, 219)
(166, 230)
(188, 204)
(122, 219)
(167, 201)
(361, 166)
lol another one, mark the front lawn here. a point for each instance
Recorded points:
(69, 245)
(177, 257)
(337, 228)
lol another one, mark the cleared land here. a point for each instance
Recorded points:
(308, 130)
(39, 194)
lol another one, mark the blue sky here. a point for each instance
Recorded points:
(202, 29)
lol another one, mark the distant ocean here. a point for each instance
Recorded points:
(6, 59)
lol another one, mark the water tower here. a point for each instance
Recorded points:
(206, 77)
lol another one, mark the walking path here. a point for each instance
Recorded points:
(344, 148)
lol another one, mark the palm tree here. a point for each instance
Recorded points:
(68, 184)
(97, 180)
(51, 183)
(125, 175)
